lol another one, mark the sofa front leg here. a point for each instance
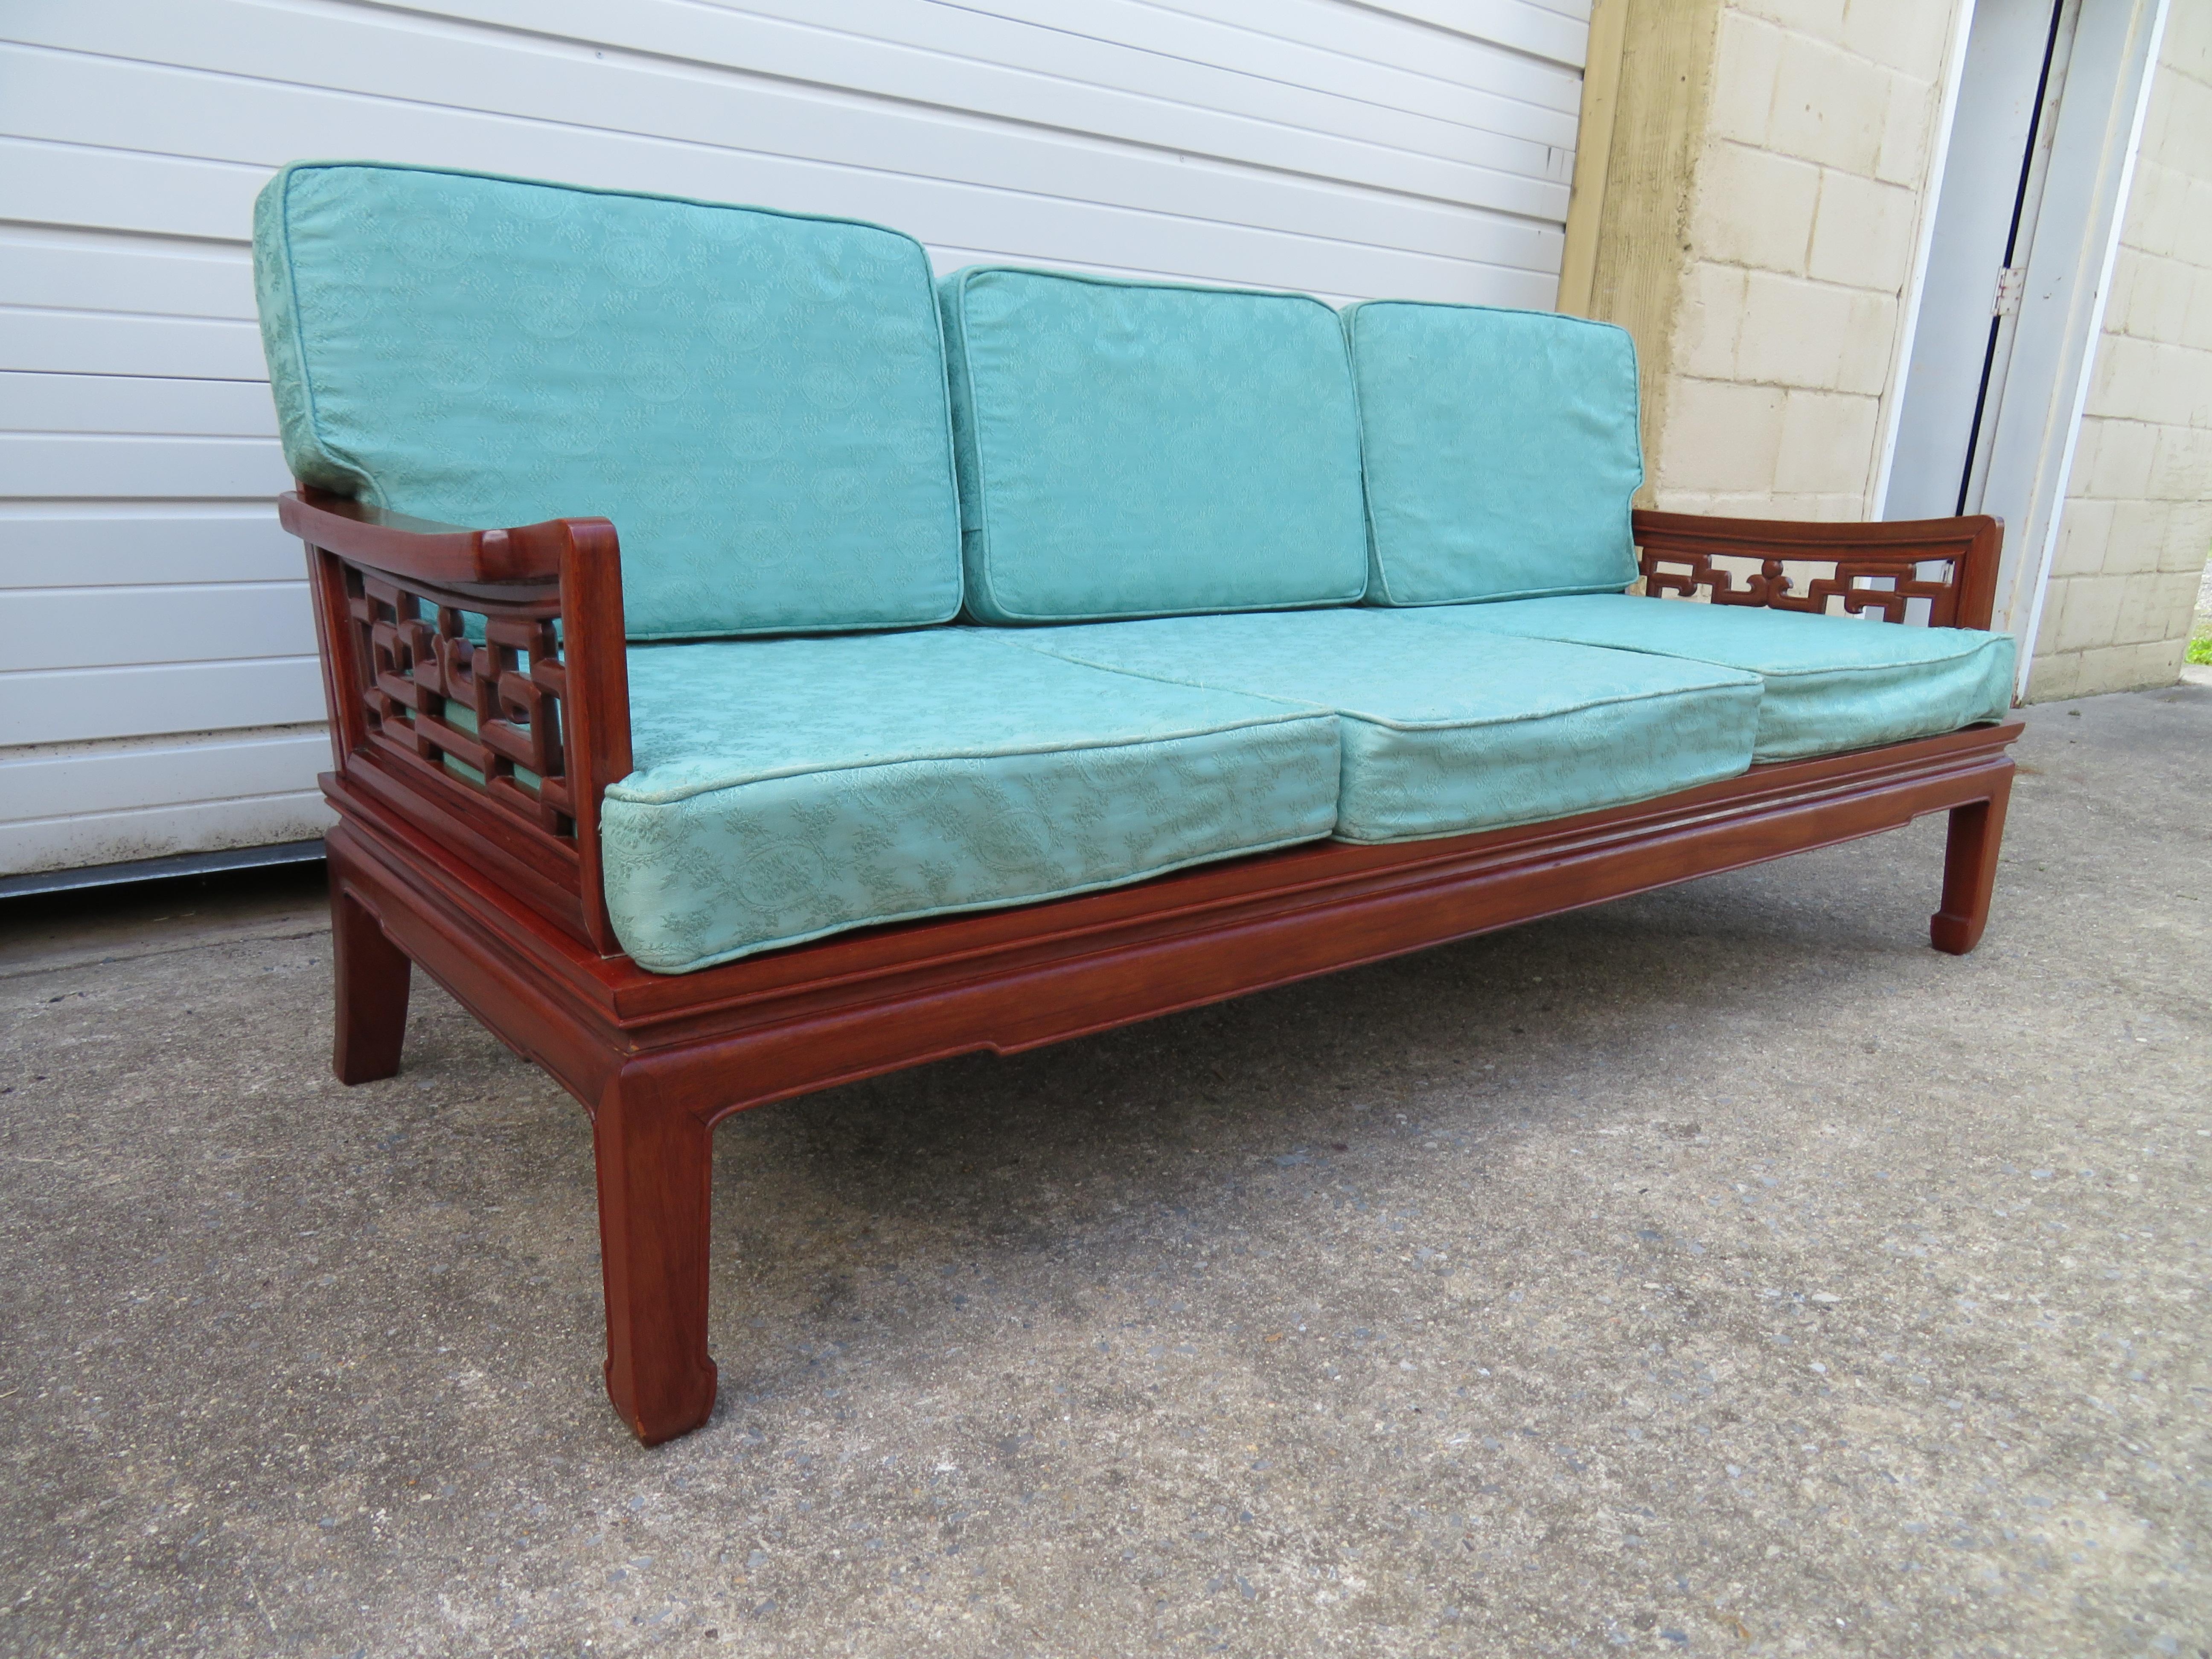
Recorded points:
(1970, 870)
(655, 1169)
(370, 976)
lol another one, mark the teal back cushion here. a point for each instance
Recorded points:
(756, 399)
(1137, 449)
(1501, 450)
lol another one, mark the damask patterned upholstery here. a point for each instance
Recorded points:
(1131, 449)
(789, 789)
(1501, 450)
(1832, 684)
(1443, 733)
(756, 399)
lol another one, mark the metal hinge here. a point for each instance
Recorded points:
(2010, 282)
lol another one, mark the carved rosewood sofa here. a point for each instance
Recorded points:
(990, 663)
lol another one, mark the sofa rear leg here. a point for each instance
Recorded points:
(371, 974)
(1970, 871)
(655, 1167)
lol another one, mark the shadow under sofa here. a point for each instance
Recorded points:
(990, 660)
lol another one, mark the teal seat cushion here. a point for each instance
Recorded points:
(1443, 733)
(1832, 683)
(756, 399)
(786, 789)
(1133, 449)
(1501, 450)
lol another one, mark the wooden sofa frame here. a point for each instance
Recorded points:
(468, 783)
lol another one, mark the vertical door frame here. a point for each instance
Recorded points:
(1924, 244)
(2034, 435)
(2140, 67)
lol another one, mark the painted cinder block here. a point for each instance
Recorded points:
(1746, 60)
(2188, 49)
(1862, 233)
(2092, 612)
(1863, 357)
(1755, 208)
(2054, 677)
(1722, 436)
(2189, 535)
(1829, 106)
(2164, 318)
(2155, 607)
(1793, 330)
(2120, 467)
(2083, 531)
(2192, 238)
(2054, 612)
(2125, 383)
(1827, 443)
(1823, 18)
(1907, 129)
(2110, 668)
(2138, 536)
(1711, 319)
(2181, 459)
(2155, 202)
(1909, 36)
(2196, 331)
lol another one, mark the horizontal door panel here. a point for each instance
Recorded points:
(94, 626)
(91, 271)
(79, 842)
(135, 404)
(63, 97)
(961, 215)
(1318, 43)
(102, 343)
(111, 189)
(78, 704)
(118, 777)
(741, 81)
(1531, 59)
(43, 464)
(1134, 47)
(1558, 31)
(111, 545)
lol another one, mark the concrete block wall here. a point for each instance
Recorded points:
(2137, 526)
(1799, 203)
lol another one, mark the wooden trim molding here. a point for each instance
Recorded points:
(497, 899)
(1608, 32)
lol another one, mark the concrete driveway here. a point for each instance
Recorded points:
(1717, 1271)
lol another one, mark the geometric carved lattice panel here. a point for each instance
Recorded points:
(492, 708)
(1884, 587)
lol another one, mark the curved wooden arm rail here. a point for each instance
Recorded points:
(423, 550)
(1878, 568)
(491, 885)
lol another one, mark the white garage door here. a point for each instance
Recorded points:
(158, 691)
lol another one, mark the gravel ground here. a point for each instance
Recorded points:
(1717, 1271)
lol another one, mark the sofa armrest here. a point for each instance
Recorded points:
(1880, 568)
(502, 745)
(422, 549)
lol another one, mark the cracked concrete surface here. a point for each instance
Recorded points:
(1720, 1271)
